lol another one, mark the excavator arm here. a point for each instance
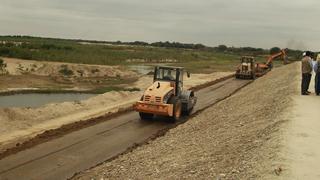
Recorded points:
(282, 53)
(262, 68)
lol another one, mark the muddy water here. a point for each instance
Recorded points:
(36, 100)
(303, 138)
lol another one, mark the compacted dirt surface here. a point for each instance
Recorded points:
(238, 138)
(19, 124)
(60, 153)
(299, 156)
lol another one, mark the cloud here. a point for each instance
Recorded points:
(264, 23)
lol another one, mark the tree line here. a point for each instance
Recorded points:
(10, 48)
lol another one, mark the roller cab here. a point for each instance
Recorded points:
(166, 96)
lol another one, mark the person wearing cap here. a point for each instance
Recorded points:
(316, 69)
(303, 54)
(306, 68)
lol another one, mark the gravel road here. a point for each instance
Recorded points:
(234, 139)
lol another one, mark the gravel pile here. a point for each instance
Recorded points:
(234, 139)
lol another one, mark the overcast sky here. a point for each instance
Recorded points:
(256, 23)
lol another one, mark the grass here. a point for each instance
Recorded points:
(60, 50)
(74, 52)
(203, 60)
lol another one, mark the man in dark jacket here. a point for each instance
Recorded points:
(317, 78)
(306, 68)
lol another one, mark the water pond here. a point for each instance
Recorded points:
(36, 100)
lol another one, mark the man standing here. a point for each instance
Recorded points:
(306, 68)
(317, 78)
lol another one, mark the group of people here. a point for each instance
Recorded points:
(310, 64)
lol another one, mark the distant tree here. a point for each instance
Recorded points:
(168, 44)
(222, 48)
(294, 54)
(199, 46)
(275, 50)
(141, 43)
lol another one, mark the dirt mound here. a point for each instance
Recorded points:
(19, 67)
(231, 140)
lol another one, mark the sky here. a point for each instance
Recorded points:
(239, 23)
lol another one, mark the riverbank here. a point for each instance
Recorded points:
(24, 76)
(14, 91)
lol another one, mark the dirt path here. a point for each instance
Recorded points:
(303, 139)
(235, 139)
(300, 152)
(62, 157)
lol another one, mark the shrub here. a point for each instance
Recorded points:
(222, 48)
(2, 63)
(4, 51)
(66, 71)
(95, 71)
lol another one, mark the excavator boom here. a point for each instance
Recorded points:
(282, 53)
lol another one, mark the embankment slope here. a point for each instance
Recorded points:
(234, 139)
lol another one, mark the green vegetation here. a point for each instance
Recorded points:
(2, 64)
(275, 50)
(196, 57)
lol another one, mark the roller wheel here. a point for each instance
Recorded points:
(145, 116)
(253, 76)
(177, 108)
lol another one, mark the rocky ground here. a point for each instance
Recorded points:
(238, 138)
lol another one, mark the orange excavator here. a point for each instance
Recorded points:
(262, 68)
(249, 69)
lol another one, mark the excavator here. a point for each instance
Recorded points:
(249, 69)
(262, 68)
